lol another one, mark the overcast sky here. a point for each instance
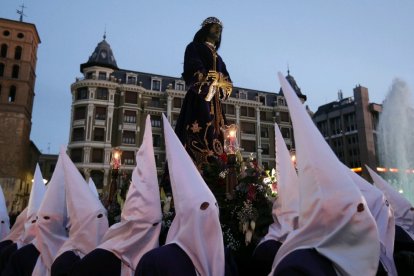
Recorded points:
(328, 45)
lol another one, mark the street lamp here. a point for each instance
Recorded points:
(115, 165)
(231, 146)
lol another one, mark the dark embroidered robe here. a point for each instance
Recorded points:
(198, 125)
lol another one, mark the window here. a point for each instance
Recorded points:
(12, 94)
(156, 140)
(281, 102)
(100, 113)
(99, 134)
(285, 132)
(177, 103)
(78, 134)
(3, 51)
(284, 117)
(97, 177)
(79, 113)
(76, 155)
(249, 146)
(262, 99)
(131, 97)
(131, 80)
(15, 71)
(228, 109)
(128, 158)
(18, 52)
(130, 116)
(243, 111)
(102, 76)
(97, 155)
(102, 93)
(265, 149)
(1, 69)
(264, 132)
(249, 128)
(6, 33)
(128, 137)
(243, 95)
(155, 102)
(20, 35)
(251, 112)
(156, 121)
(179, 86)
(156, 85)
(89, 75)
(82, 93)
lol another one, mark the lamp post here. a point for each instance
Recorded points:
(231, 146)
(115, 165)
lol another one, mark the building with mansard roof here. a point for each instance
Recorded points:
(109, 107)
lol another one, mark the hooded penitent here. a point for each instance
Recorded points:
(286, 207)
(4, 217)
(196, 226)
(18, 227)
(92, 187)
(36, 196)
(87, 216)
(403, 210)
(384, 217)
(141, 216)
(52, 223)
(333, 215)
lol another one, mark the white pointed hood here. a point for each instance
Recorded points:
(4, 217)
(92, 187)
(37, 194)
(285, 210)
(403, 210)
(334, 217)
(139, 229)
(384, 217)
(87, 216)
(18, 227)
(52, 218)
(196, 226)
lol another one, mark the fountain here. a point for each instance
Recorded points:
(396, 139)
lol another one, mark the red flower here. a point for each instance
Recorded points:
(223, 157)
(251, 193)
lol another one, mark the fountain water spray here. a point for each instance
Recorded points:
(396, 139)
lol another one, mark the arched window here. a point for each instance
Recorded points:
(1, 69)
(18, 53)
(3, 51)
(12, 94)
(15, 72)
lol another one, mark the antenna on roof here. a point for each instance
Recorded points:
(21, 12)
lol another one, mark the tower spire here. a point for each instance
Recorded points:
(104, 36)
(21, 12)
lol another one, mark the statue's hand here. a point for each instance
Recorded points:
(213, 75)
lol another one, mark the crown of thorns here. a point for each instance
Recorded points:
(211, 20)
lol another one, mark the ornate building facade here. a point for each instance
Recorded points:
(109, 107)
(18, 57)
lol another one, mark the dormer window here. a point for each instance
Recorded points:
(242, 95)
(262, 99)
(156, 84)
(179, 85)
(131, 79)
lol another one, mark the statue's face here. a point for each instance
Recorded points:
(215, 32)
